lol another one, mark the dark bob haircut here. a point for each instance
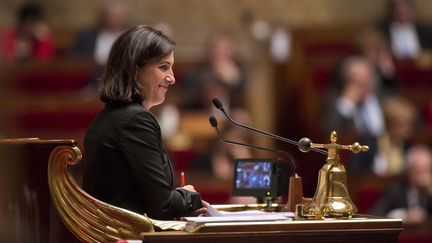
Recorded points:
(133, 49)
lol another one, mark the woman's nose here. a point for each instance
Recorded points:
(170, 79)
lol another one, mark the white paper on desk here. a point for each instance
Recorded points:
(258, 213)
(213, 212)
(218, 219)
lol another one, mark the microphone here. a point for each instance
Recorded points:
(295, 182)
(303, 144)
(213, 123)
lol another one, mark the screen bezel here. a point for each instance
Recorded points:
(256, 192)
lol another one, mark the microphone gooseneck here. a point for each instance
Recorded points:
(213, 123)
(303, 144)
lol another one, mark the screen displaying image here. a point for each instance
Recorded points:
(253, 175)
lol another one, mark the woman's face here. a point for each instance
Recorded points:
(155, 79)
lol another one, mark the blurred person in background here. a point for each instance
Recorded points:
(356, 112)
(94, 43)
(219, 161)
(407, 37)
(356, 109)
(30, 39)
(373, 45)
(400, 117)
(410, 198)
(219, 75)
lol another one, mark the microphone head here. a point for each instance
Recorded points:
(304, 145)
(213, 121)
(217, 103)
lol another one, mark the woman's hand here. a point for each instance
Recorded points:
(199, 211)
(189, 188)
(205, 204)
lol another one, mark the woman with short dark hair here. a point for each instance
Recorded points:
(126, 163)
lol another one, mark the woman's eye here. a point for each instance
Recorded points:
(164, 67)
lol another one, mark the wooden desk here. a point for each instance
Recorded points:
(356, 230)
(26, 210)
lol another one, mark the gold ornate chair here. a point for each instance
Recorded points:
(88, 218)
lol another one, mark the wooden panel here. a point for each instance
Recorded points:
(370, 230)
(26, 211)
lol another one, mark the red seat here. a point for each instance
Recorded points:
(51, 81)
(367, 196)
(55, 120)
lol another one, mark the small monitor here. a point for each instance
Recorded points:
(255, 177)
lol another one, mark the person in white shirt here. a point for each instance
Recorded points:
(95, 42)
(406, 36)
(356, 112)
(357, 107)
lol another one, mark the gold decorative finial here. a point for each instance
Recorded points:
(333, 137)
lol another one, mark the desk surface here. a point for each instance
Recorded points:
(354, 230)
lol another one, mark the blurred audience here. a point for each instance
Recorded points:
(410, 198)
(429, 115)
(219, 75)
(400, 116)
(29, 39)
(94, 43)
(356, 111)
(220, 158)
(407, 37)
(375, 48)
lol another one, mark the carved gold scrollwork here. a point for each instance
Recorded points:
(88, 218)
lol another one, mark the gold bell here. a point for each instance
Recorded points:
(331, 199)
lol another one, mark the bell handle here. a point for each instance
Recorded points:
(355, 147)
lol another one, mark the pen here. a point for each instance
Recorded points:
(182, 179)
